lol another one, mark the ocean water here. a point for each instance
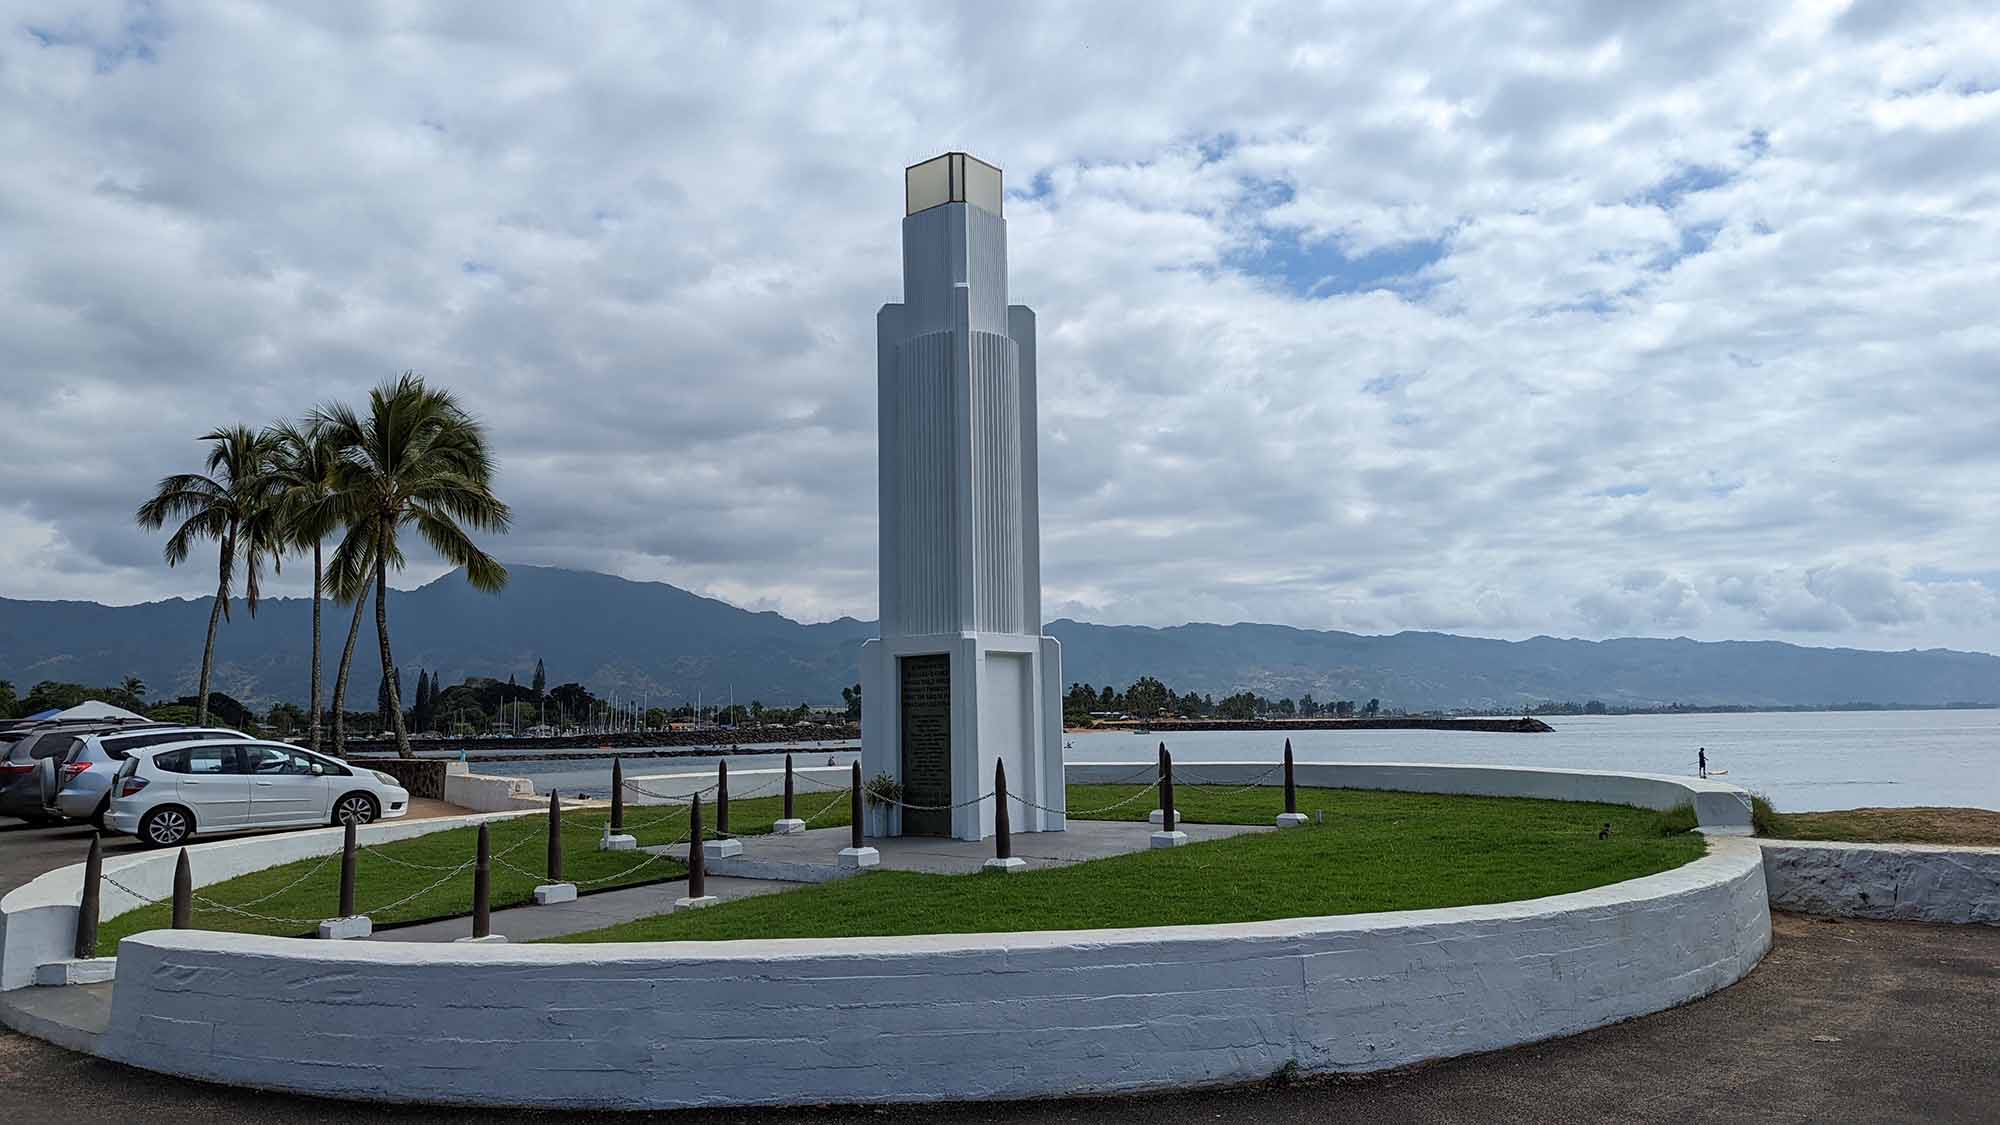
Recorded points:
(1802, 760)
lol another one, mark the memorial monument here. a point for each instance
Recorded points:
(961, 675)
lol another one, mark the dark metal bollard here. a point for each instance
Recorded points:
(697, 862)
(183, 893)
(854, 810)
(1166, 789)
(788, 788)
(347, 858)
(555, 839)
(722, 800)
(617, 796)
(1003, 826)
(1291, 787)
(482, 886)
(87, 909)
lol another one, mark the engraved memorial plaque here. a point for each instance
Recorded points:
(926, 726)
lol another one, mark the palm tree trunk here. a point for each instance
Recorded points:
(312, 740)
(382, 637)
(208, 660)
(225, 563)
(340, 678)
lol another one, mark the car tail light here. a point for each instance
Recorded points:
(16, 768)
(74, 768)
(131, 787)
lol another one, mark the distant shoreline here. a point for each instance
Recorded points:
(1522, 725)
(712, 740)
(1568, 712)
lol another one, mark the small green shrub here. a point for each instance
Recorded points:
(1679, 819)
(1765, 818)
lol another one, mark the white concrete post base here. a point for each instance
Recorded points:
(790, 827)
(90, 970)
(550, 893)
(346, 929)
(489, 939)
(1169, 839)
(1006, 866)
(1159, 817)
(721, 849)
(617, 843)
(1291, 820)
(854, 859)
(695, 903)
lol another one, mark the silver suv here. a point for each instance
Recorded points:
(92, 759)
(31, 760)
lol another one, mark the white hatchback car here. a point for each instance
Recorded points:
(165, 794)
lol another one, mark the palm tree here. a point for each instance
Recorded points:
(348, 584)
(307, 470)
(231, 504)
(416, 459)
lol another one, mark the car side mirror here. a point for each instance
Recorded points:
(318, 769)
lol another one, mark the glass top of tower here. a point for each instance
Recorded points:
(951, 178)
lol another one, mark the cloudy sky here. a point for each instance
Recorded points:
(1620, 318)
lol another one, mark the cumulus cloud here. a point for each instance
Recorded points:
(1614, 319)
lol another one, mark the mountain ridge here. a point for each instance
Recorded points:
(659, 641)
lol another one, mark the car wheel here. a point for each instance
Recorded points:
(103, 809)
(356, 808)
(165, 826)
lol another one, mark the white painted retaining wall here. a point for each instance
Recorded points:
(1720, 808)
(38, 918)
(924, 1018)
(1904, 882)
(485, 792)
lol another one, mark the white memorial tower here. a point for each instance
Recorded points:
(961, 676)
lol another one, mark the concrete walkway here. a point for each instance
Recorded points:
(589, 912)
(812, 857)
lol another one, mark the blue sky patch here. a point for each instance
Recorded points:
(1321, 269)
(1682, 183)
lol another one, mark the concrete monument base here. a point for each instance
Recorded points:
(857, 858)
(1169, 839)
(1291, 820)
(346, 929)
(1006, 866)
(489, 939)
(721, 849)
(549, 893)
(87, 970)
(695, 903)
(789, 827)
(619, 843)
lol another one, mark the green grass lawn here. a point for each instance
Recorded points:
(381, 880)
(1376, 851)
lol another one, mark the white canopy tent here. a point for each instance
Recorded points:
(96, 709)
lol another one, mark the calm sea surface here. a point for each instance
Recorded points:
(1802, 761)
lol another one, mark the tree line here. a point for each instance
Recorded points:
(1149, 698)
(413, 460)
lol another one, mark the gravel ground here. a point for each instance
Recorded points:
(1843, 1022)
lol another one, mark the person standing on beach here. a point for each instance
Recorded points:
(1701, 760)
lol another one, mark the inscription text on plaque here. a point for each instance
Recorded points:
(926, 726)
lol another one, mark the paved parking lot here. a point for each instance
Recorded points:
(26, 851)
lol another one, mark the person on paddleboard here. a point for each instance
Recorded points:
(1701, 761)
